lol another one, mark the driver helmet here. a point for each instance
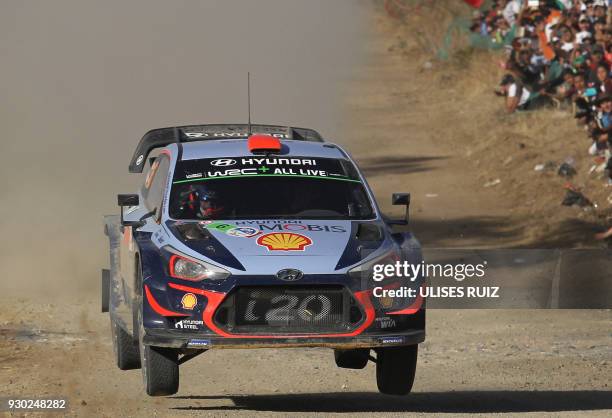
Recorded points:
(203, 202)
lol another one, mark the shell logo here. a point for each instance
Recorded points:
(189, 301)
(284, 241)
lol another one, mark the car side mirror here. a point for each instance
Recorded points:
(401, 199)
(129, 200)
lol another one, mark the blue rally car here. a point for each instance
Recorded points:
(249, 240)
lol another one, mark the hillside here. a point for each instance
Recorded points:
(450, 104)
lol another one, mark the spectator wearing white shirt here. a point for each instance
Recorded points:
(584, 26)
(511, 10)
(517, 95)
(567, 38)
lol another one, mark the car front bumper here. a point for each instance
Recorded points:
(167, 338)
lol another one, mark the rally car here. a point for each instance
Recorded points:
(256, 236)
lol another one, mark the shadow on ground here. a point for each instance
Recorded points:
(504, 232)
(481, 231)
(571, 233)
(380, 166)
(435, 402)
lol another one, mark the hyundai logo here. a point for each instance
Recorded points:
(289, 275)
(223, 162)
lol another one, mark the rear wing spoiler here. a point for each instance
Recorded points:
(162, 137)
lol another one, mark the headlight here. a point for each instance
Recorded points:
(365, 270)
(187, 269)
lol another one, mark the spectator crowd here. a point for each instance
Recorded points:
(559, 52)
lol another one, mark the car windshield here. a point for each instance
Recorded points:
(268, 188)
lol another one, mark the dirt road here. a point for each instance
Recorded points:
(486, 362)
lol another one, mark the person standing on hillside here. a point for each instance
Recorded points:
(582, 99)
(604, 83)
(517, 95)
(584, 29)
(602, 126)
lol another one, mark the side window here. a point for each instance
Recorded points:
(155, 184)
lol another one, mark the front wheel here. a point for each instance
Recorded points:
(160, 368)
(395, 369)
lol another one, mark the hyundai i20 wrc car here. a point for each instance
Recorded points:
(240, 240)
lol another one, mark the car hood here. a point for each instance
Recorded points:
(267, 246)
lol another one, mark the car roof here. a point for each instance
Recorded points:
(239, 148)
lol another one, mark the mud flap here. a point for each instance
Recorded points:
(105, 289)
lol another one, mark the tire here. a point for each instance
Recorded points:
(106, 285)
(125, 348)
(160, 369)
(352, 359)
(395, 369)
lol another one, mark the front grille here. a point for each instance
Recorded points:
(288, 310)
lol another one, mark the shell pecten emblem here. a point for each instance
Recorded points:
(284, 241)
(189, 301)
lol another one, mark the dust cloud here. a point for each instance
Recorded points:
(83, 80)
